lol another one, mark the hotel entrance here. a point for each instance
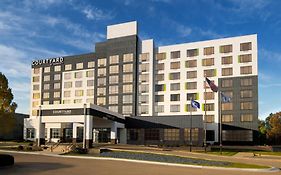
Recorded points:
(101, 135)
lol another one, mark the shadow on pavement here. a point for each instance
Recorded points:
(31, 167)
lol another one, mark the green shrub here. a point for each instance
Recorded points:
(80, 150)
(20, 148)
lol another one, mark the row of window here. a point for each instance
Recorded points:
(207, 51)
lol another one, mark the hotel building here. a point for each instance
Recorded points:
(130, 91)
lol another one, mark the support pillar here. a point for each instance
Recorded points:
(89, 131)
(74, 133)
(123, 136)
(113, 133)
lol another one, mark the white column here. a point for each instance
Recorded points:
(74, 131)
(113, 132)
(89, 127)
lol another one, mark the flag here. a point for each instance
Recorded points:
(225, 98)
(212, 85)
(195, 104)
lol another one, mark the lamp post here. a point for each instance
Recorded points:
(190, 129)
(204, 119)
(220, 120)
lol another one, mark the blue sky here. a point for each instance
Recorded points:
(34, 29)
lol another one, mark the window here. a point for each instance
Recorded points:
(159, 108)
(66, 101)
(90, 83)
(226, 60)
(226, 106)
(208, 62)
(36, 79)
(191, 63)
(102, 62)
(144, 109)
(35, 104)
(160, 56)
(113, 99)
(246, 94)
(245, 70)
(160, 87)
(246, 117)
(133, 134)
(191, 74)
(206, 85)
(246, 46)
(152, 134)
(36, 70)
(226, 49)
(36, 87)
(90, 73)
(127, 109)
(46, 95)
(194, 132)
(57, 68)
(190, 85)
(190, 96)
(102, 71)
(160, 66)
(46, 69)
(55, 133)
(91, 64)
(114, 59)
(237, 135)
(90, 92)
(57, 77)
(78, 84)
(192, 52)
(175, 76)
(189, 108)
(46, 86)
(210, 118)
(67, 76)
(175, 86)
(128, 68)
(114, 69)
(175, 97)
(226, 83)
(171, 134)
(159, 98)
(144, 67)
(159, 77)
(246, 82)
(79, 65)
(228, 93)
(127, 88)
(67, 93)
(113, 108)
(209, 50)
(101, 81)
(175, 54)
(67, 85)
(90, 100)
(144, 88)
(128, 57)
(68, 67)
(209, 107)
(144, 78)
(113, 79)
(79, 93)
(227, 71)
(30, 133)
(34, 113)
(47, 78)
(246, 105)
(227, 118)
(77, 100)
(101, 101)
(127, 99)
(78, 75)
(245, 58)
(174, 108)
(101, 91)
(56, 94)
(209, 96)
(144, 57)
(175, 65)
(113, 89)
(128, 78)
(46, 103)
(57, 86)
(144, 99)
(56, 102)
(210, 73)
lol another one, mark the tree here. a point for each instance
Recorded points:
(274, 131)
(7, 106)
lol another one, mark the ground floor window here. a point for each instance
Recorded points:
(30, 133)
(210, 135)
(55, 133)
(151, 134)
(194, 132)
(133, 134)
(171, 134)
(237, 135)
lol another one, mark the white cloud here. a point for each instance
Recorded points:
(183, 30)
(270, 55)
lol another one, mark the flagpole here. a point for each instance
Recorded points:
(220, 118)
(190, 129)
(204, 119)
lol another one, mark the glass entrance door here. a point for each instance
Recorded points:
(67, 134)
(102, 135)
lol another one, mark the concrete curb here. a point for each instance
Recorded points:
(269, 170)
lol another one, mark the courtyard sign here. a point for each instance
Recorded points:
(50, 61)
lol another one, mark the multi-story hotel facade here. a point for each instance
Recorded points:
(130, 91)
